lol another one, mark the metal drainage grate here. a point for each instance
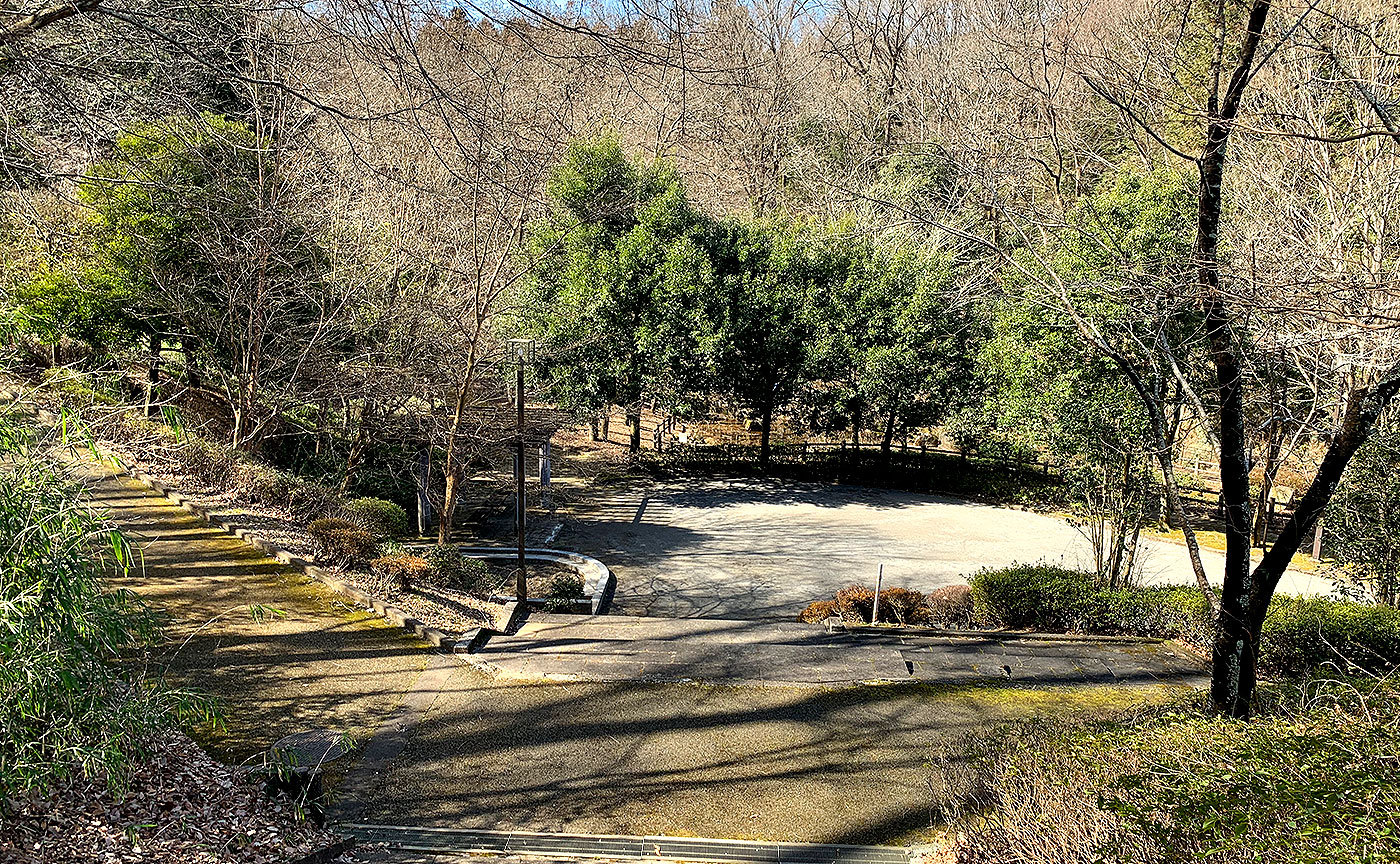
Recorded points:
(613, 846)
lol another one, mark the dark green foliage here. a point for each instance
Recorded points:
(66, 703)
(1302, 634)
(383, 519)
(1054, 599)
(565, 591)
(1363, 520)
(341, 543)
(1299, 635)
(451, 569)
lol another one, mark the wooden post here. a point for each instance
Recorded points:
(1317, 541)
(879, 586)
(423, 477)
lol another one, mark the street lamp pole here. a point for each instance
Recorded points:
(522, 349)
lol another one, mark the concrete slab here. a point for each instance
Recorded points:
(613, 648)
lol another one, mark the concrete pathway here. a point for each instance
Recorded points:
(280, 653)
(762, 549)
(620, 648)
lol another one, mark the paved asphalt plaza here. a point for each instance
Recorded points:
(758, 549)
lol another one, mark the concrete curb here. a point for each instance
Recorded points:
(389, 613)
(998, 635)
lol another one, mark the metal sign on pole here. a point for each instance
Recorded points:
(879, 586)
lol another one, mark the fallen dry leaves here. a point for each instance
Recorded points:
(181, 807)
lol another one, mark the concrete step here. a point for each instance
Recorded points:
(616, 648)
(609, 627)
(620, 847)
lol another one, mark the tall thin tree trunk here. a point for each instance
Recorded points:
(765, 435)
(1235, 651)
(152, 373)
(452, 468)
(357, 449)
(1266, 484)
(888, 440)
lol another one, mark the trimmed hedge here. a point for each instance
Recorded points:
(1054, 599)
(1299, 634)
(1303, 633)
(383, 519)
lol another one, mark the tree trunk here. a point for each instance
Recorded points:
(764, 448)
(451, 467)
(634, 427)
(1234, 654)
(357, 449)
(888, 440)
(191, 372)
(1266, 485)
(607, 417)
(152, 373)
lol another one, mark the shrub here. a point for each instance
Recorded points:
(383, 519)
(1302, 782)
(261, 484)
(341, 544)
(817, 612)
(307, 500)
(1054, 599)
(565, 589)
(205, 461)
(902, 606)
(950, 606)
(1302, 634)
(855, 603)
(1031, 596)
(404, 570)
(451, 569)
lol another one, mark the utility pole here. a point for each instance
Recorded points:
(522, 350)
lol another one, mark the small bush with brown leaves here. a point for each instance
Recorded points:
(903, 606)
(341, 544)
(950, 606)
(404, 570)
(818, 612)
(854, 603)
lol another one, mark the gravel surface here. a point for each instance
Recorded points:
(765, 549)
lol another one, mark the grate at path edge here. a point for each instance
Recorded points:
(696, 849)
